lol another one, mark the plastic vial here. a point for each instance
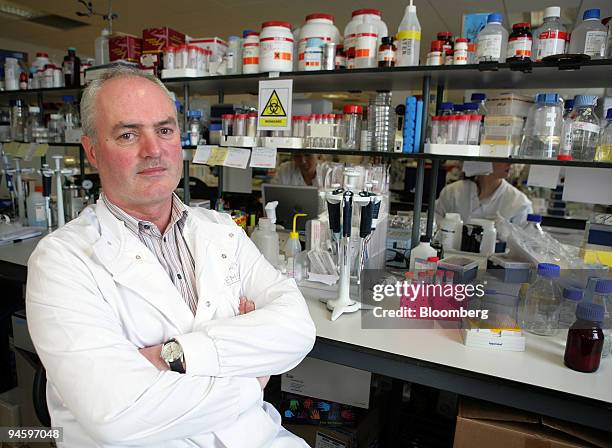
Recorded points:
(195, 126)
(434, 129)
(603, 297)
(520, 42)
(549, 39)
(474, 129)
(491, 41)
(590, 36)
(352, 126)
(604, 150)
(585, 339)
(539, 313)
(460, 56)
(386, 53)
(571, 298)
(543, 128)
(251, 124)
(240, 125)
(169, 57)
(463, 124)
(409, 38)
(584, 128)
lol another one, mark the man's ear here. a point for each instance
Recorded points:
(88, 146)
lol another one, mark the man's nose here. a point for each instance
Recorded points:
(150, 145)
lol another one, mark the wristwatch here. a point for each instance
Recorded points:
(172, 353)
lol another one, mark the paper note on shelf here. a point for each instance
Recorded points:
(217, 156)
(237, 158)
(477, 168)
(543, 176)
(202, 153)
(263, 158)
(590, 185)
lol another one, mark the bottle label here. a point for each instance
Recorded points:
(595, 43)
(302, 48)
(276, 49)
(409, 34)
(408, 51)
(386, 56)
(313, 58)
(68, 67)
(566, 144)
(519, 47)
(250, 54)
(551, 42)
(366, 45)
(586, 127)
(460, 57)
(340, 61)
(489, 47)
(230, 60)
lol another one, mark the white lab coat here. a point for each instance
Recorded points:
(96, 294)
(462, 197)
(288, 174)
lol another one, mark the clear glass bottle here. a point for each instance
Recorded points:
(533, 226)
(195, 127)
(491, 43)
(227, 123)
(56, 128)
(35, 131)
(603, 296)
(18, 119)
(70, 113)
(585, 339)
(589, 37)
(539, 312)
(585, 127)
(352, 126)
(543, 129)
(604, 150)
(549, 39)
(571, 298)
(72, 69)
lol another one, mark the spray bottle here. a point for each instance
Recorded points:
(293, 246)
(409, 38)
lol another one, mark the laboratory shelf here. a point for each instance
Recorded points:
(53, 92)
(48, 143)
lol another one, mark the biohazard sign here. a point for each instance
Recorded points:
(275, 105)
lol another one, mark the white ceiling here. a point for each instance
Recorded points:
(199, 18)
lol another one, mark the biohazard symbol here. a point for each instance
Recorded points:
(274, 108)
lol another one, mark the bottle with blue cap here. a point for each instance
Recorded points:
(492, 40)
(533, 226)
(195, 126)
(543, 128)
(604, 150)
(571, 298)
(602, 295)
(70, 113)
(582, 127)
(589, 37)
(539, 312)
(585, 339)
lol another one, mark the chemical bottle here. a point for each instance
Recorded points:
(602, 295)
(266, 240)
(584, 127)
(540, 311)
(585, 339)
(35, 206)
(420, 254)
(101, 48)
(409, 38)
(590, 36)
(543, 128)
(604, 150)
(533, 227)
(491, 43)
(234, 56)
(72, 69)
(571, 298)
(549, 39)
(293, 246)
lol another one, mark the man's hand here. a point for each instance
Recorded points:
(246, 306)
(153, 354)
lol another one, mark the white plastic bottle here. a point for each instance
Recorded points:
(409, 38)
(420, 254)
(276, 47)
(234, 56)
(293, 246)
(549, 39)
(101, 48)
(366, 44)
(491, 43)
(589, 37)
(318, 25)
(35, 205)
(266, 240)
(250, 53)
(359, 17)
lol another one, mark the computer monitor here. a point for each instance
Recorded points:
(410, 182)
(292, 199)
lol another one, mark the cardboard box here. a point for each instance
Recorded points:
(216, 45)
(481, 423)
(364, 435)
(156, 39)
(125, 47)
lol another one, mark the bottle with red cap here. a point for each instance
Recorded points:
(460, 56)
(276, 47)
(435, 56)
(351, 134)
(318, 26)
(519, 42)
(447, 38)
(359, 27)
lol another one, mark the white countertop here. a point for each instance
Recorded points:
(19, 253)
(541, 364)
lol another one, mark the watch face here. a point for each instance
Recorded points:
(171, 351)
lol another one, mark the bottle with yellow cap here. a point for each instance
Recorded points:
(293, 246)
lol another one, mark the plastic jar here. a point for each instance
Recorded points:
(276, 47)
(463, 124)
(251, 124)
(386, 53)
(58, 77)
(169, 56)
(240, 125)
(474, 129)
(520, 42)
(45, 80)
(318, 25)
(359, 17)
(447, 38)
(313, 55)
(56, 128)
(352, 126)
(434, 57)
(181, 59)
(298, 126)
(366, 44)
(585, 339)
(41, 60)
(193, 57)
(448, 57)
(11, 74)
(227, 124)
(250, 53)
(460, 56)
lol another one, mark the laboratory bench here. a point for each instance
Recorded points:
(534, 380)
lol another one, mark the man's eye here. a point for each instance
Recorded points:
(166, 131)
(127, 137)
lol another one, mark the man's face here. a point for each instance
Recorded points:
(306, 162)
(138, 147)
(501, 170)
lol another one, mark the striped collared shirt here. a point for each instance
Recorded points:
(170, 249)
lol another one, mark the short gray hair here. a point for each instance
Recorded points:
(88, 101)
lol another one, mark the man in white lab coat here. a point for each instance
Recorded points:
(158, 324)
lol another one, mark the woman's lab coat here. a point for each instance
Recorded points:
(462, 197)
(96, 294)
